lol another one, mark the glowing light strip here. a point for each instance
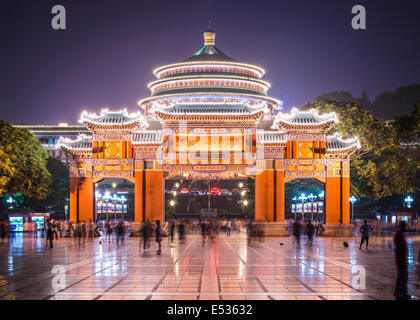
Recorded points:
(208, 77)
(87, 117)
(65, 143)
(208, 63)
(322, 119)
(186, 84)
(349, 143)
(173, 95)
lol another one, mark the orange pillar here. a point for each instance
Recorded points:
(333, 200)
(86, 199)
(345, 199)
(154, 197)
(138, 196)
(264, 196)
(260, 196)
(73, 198)
(279, 195)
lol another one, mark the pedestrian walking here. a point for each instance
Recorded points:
(310, 231)
(365, 230)
(228, 227)
(172, 231)
(158, 232)
(50, 233)
(400, 247)
(296, 232)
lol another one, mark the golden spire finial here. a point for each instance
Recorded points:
(209, 37)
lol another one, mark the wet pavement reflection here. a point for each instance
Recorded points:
(218, 269)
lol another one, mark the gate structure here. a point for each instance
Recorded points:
(211, 112)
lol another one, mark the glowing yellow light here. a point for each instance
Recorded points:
(172, 203)
(241, 185)
(245, 203)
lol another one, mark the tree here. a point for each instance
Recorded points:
(58, 188)
(380, 168)
(401, 101)
(22, 163)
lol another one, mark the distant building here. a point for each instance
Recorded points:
(48, 136)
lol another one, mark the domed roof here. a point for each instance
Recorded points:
(209, 52)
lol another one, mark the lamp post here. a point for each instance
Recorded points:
(123, 199)
(408, 200)
(98, 195)
(114, 201)
(312, 197)
(107, 197)
(353, 201)
(294, 211)
(303, 198)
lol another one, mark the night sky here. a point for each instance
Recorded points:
(107, 54)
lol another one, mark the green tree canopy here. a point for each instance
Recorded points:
(58, 188)
(381, 168)
(22, 163)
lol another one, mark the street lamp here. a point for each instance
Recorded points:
(241, 185)
(177, 185)
(303, 198)
(312, 197)
(123, 199)
(114, 185)
(353, 201)
(408, 200)
(243, 193)
(98, 196)
(114, 201)
(107, 197)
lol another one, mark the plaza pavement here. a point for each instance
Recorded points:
(221, 269)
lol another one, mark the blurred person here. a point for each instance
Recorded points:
(365, 230)
(181, 231)
(83, 229)
(400, 248)
(297, 231)
(172, 231)
(60, 228)
(108, 231)
(119, 230)
(250, 232)
(3, 230)
(309, 229)
(54, 224)
(91, 228)
(228, 227)
(34, 229)
(50, 233)
(158, 233)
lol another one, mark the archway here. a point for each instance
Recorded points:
(195, 196)
(304, 199)
(114, 200)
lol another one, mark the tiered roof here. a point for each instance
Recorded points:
(302, 121)
(208, 74)
(271, 138)
(338, 146)
(82, 145)
(147, 138)
(121, 121)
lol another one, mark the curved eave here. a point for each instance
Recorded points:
(348, 151)
(192, 63)
(302, 127)
(94, 127)
(257, 97)
(75, 151)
